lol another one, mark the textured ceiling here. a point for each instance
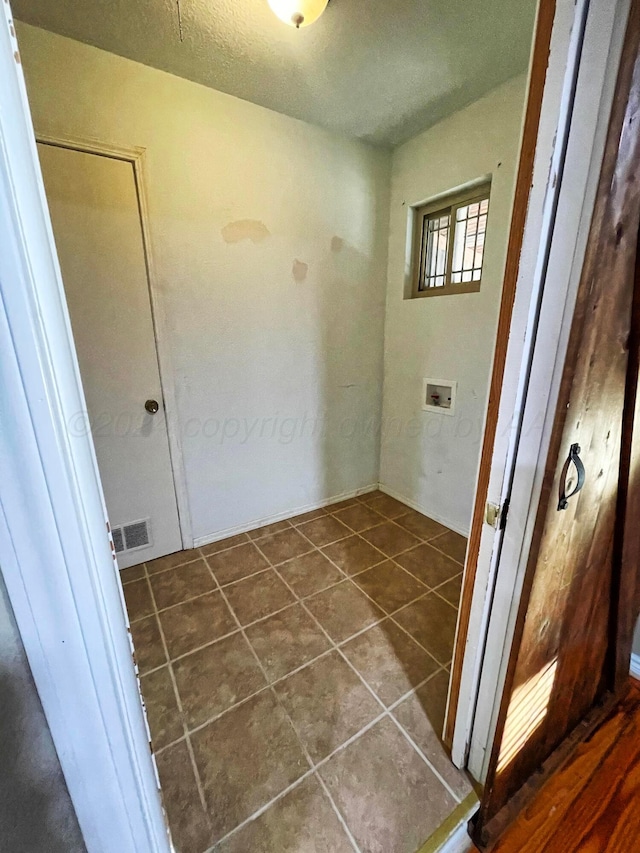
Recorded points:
(380, 70)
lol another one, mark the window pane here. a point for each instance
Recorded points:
(468, 242)
(435, 245)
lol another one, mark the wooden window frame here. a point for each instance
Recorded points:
(447, 205)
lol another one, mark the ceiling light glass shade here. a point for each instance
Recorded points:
(298, 13)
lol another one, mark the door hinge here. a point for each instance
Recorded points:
(492, 514)
(496, 515)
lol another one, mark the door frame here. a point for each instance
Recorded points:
(55, 551)
(136, 157)
(568, 152)
(483, 541)
(612, 233)
(588, 44)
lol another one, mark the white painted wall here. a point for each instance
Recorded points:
(431, 460)
(269, 238)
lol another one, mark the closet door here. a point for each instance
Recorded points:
(96, 221)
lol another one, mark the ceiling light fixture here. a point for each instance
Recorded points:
(298, 13)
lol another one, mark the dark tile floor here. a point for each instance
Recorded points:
(295, 679)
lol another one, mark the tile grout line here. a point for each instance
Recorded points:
(298, 600)
(260, 666)
(426, 760)
(350, 578)
(339, 814)
(205, 723)
(176, 696)
(344, 576)
(397, 702)
(374, 694)
(276, 699)
(313, 767)
(337, 811)
(389, 714)
(440, 596)
(360, 536)
(260, 811)
(312, 770)
(310, 595)
(439, 536)
(386, 614)
(386, 557)
(377, 698)
(281, 564)
(333, 646)
(288, 674)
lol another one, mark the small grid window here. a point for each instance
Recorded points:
(449, 244)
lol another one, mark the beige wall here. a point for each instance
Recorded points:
(431, 459)
(269, 238)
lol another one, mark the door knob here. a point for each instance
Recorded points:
(152, 406)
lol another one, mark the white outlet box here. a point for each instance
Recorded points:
(439, 395)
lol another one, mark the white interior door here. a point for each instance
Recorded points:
(95, 214)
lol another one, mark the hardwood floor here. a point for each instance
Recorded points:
(592, 804)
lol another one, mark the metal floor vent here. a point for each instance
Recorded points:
(129, 537)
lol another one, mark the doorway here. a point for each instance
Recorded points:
(97, 222)
(316, 609)
(389, 525)
(95, 577)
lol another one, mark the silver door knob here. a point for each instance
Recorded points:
(152, 406)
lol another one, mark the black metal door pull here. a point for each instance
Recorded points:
(574, 456)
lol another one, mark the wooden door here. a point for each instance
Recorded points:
(573, 634)
(96, 224)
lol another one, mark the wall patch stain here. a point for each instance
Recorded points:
(336, 244)
(245, 229)
(16, 56)
(299, 270)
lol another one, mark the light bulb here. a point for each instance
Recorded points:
(298, 13)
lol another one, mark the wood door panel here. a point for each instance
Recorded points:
(626, 600)
(565, 645)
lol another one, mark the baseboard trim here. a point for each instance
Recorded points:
(405, 500)
(634, 669)
(199, 541)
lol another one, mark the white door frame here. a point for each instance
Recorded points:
(55, 552)
(585, 52)
(136, 157)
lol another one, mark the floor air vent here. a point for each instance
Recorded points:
(129, 537)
